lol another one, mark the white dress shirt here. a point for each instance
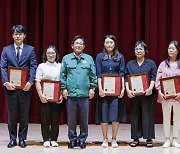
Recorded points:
(48, 71)
(20, 50)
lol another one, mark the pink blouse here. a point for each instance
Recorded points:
(163, 72)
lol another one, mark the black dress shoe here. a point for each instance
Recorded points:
(82, 145)
(22, 143)
(72, 144)
(12, 143)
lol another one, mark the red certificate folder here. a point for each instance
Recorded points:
(17, 76)
(51, 89)
(138, 83)
(111, 84)
(170, 86)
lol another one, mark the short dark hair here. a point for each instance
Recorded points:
(45, 56)
(78, 37)
(19, 29)
(142, 44)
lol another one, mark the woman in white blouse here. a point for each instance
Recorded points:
(49, 111)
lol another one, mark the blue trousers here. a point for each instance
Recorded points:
(80, 104)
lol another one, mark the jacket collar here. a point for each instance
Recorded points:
(81, 56)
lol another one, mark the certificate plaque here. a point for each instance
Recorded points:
(51, 90)
(17, 76)
(138, 83)
(111, 84)
(170, 86)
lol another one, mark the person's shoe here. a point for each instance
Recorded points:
(114, 144)
(149, 143)
(175, 143)
(12, 143)
(46, 144)
(167, 144)
(105, 143)
(72, 144)
(54, 144)
(82, 145)
(134, 143)
(22, 143)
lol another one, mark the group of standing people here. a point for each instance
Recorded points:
(79, 76)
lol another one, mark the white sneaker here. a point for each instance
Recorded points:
(46, 144)
(175, 143)
(54, 144)
(105, 143)
(167, 144)
(114, 144)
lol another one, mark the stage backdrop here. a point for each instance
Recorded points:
(56, 21)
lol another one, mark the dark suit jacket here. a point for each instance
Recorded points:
(27, 60)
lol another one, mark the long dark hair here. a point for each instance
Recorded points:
(177, 45)
(45, 56)
(116, 55)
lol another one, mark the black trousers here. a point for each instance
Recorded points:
(142, 117)
(50, 116)
(18, 102)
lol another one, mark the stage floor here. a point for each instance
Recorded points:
(34, 142)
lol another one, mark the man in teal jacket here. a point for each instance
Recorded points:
(78, 82)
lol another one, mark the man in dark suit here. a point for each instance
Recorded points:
(18, 55)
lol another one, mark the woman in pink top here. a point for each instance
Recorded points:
(169, 68)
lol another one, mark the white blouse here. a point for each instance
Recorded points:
(48, 71)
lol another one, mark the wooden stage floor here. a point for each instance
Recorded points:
(34, 142)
